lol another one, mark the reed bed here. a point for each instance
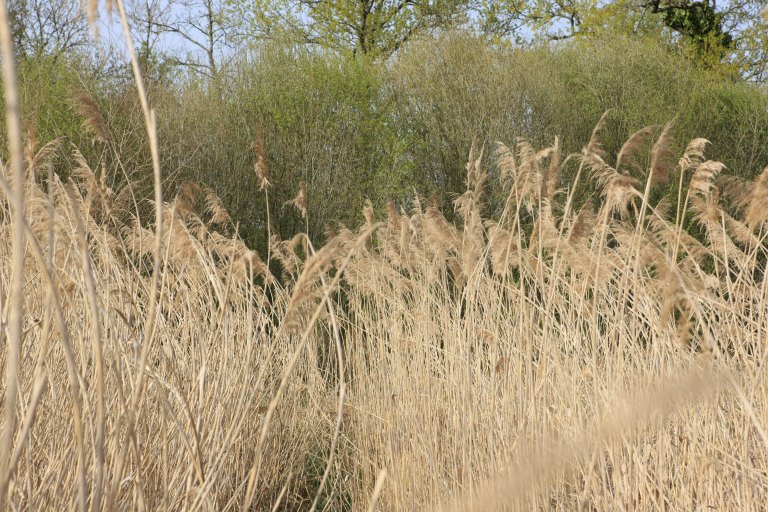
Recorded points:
(603, 357)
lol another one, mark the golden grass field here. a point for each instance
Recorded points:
(608, 356)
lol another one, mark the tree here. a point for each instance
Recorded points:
(371, 27)
(699, 22)
(717, 34)
(543, 19)
(47, 27)
(147, 18)
(200, 26)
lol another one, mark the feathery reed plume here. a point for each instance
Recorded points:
(757, 206)
(186, 200)
(594, 146)
(439, 234)
(283, 254)
(91, 112)
(259, 267)
(215, 208)
(737, 191)
(741, 232)
(300, 201)
(505, 160)
(693, 155)
(469, 206)
(369, 214)
(552, 180)
(630, 150)
(661, 155)
(618, 190)
(500, 244)
(40, 160)
(528, 180)
(583, 224)
(182, 207)
(703, 178)
(189, 191)
(262, 173)
(676, 305)
(262, 168)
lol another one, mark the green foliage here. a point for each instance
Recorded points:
(356, 128)
(729, 35)
(48, 86)
(449, 93)
(701, 26)
(324, 120)
(458, 90)
(371, 27)
(734, 117)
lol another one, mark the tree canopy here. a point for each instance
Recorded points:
(730, 34)
(371, 27)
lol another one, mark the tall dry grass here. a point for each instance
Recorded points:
(601, 357)
(503, 362)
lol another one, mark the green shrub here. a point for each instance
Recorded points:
(458, 89)
(324, 120)
(356, 129)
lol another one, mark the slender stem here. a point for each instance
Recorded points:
(14, 330)
(97, 342)
(269, 226)
(150, 124)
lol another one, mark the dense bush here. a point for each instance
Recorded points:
(458, 89)
(324, 120)
(355, 129)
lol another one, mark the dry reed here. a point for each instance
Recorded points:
(158, 364)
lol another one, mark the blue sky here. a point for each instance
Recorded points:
(111, 33)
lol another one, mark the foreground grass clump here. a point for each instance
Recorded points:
(603, 356)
